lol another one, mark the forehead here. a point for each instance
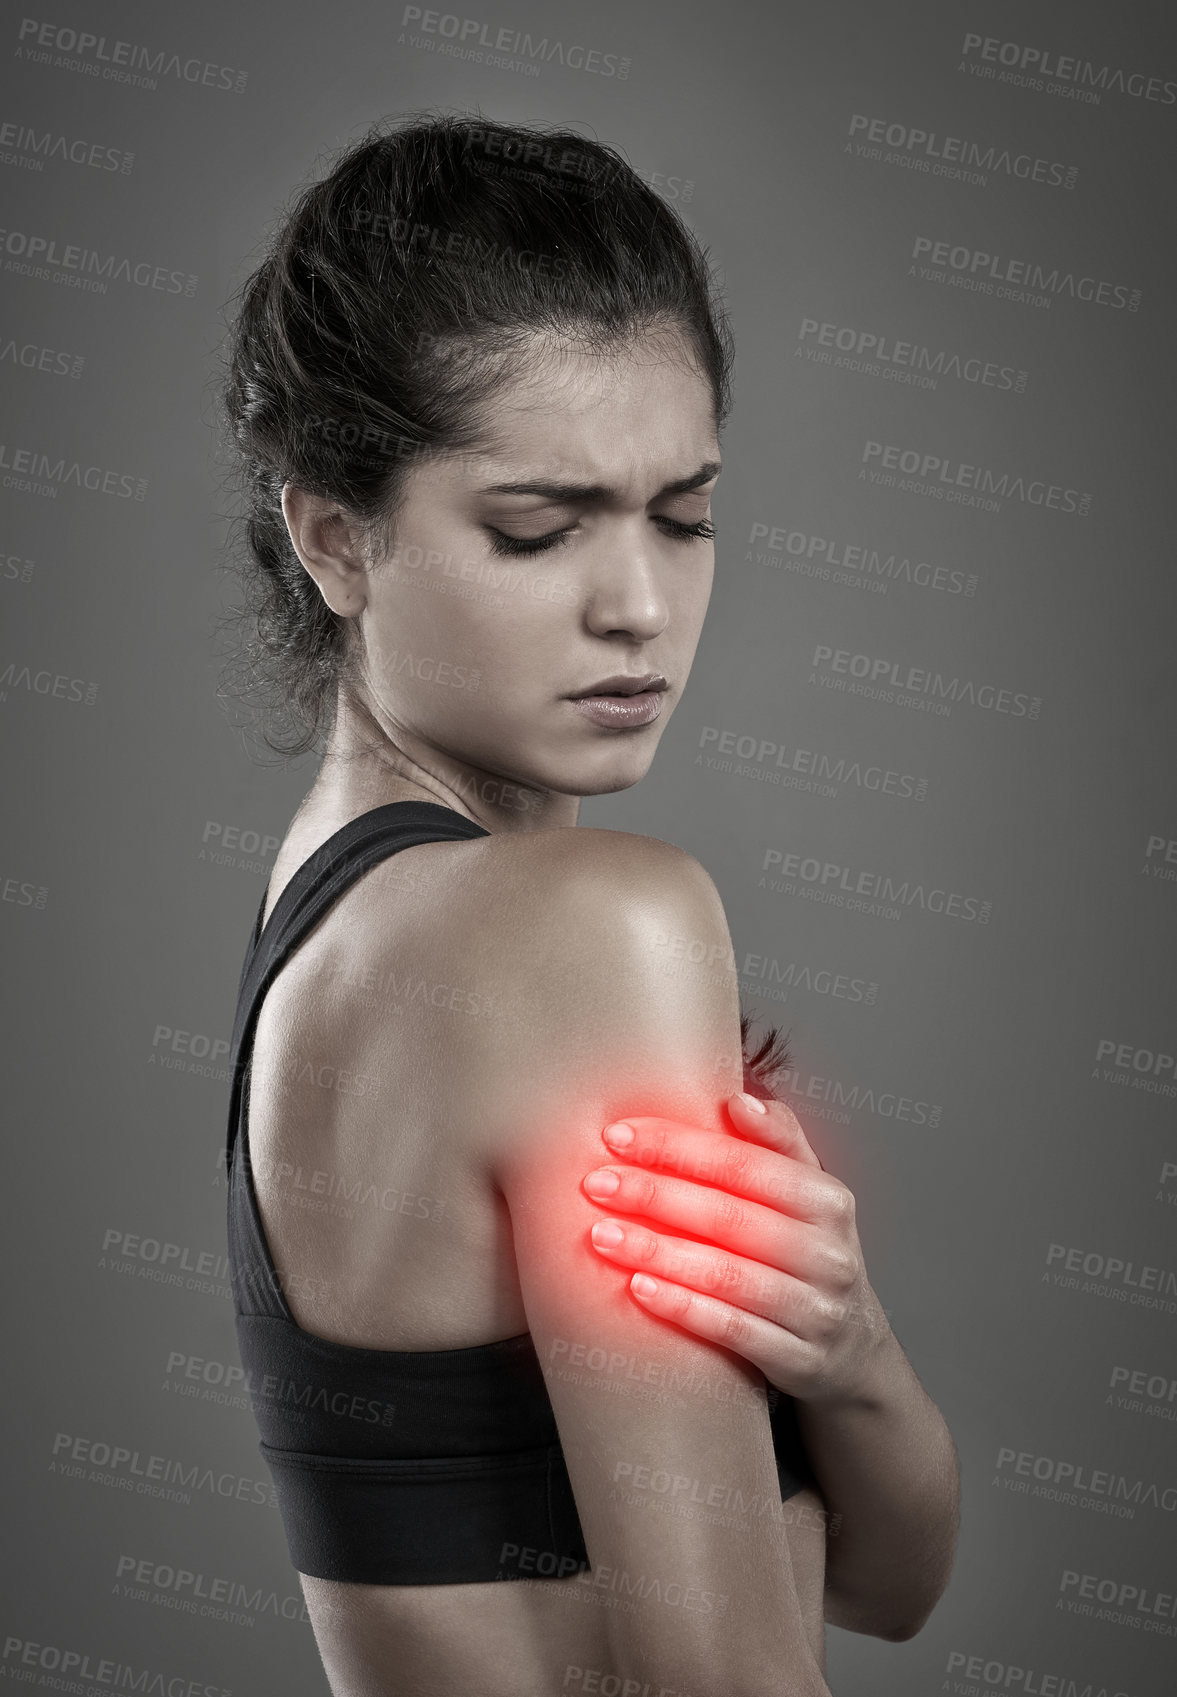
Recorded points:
(624, 417)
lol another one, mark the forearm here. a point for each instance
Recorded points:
(887, 1468)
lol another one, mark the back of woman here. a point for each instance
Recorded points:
(387, 1190)
(380, 1193)
(465, 353)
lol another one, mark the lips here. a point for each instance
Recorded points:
(622, 683)
(623, 702)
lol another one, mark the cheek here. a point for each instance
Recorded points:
(688, 610)
(437, 609)
(462, 641)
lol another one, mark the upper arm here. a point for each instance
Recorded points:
(666, 1437)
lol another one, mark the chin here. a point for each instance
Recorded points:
(605, 786)
(606, 775)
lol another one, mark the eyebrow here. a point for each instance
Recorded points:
(600, 491)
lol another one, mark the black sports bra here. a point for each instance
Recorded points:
(397, 1467)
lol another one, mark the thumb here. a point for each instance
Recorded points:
(776, 1127)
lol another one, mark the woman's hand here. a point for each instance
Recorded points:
(781, 1281)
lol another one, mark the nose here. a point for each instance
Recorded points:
(624, 592)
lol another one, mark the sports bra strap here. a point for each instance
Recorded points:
(320, 880)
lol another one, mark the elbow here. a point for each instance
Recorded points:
(895, 1624)
(901, 1631)
(914, 1616)
(894, 1606)
(892, 1629)
(917, 1615)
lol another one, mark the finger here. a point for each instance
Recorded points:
(778, 1128)
(781, 1357)
(770, 1292)
(767, 1234)
(733, 1164)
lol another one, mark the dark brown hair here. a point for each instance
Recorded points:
(396, 296)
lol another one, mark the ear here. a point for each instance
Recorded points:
(327, 543)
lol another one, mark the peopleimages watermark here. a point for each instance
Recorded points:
(516, 1560)
(133, 1470)
(507, 48)
(599, 1682)
(1126, 1603)
(166, 1260)
(1166, 866)
(746, 755)
(118, 61)
(614, 1373)
(1111, 1276)
(1025, 280)
(787, 872)
(685, 1495)
(190, 1592)
(34, 147)
(967, 485)
(832, 1099)
(398, 989)
(23, 894)
(1136, 1067)
(388, 663)
(855, 564)
(37, 473)
(1143, 1392)
(197, 1376)
(1047, 71)
(1083, 1480)
(321, 1190)
(762, 976)
(951, 156)
(81, 1664)
(1018, 1681)
(237, 846)
(497, 576)
(44, 682)
(892, 682)
(85, 268)
(772, 980)
(14, 568)
(238, 837)
(190, 1051)
(879, 355)
(33, 357)
(436, 245)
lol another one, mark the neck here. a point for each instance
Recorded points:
(363, 768)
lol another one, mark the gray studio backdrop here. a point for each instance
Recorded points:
(926, 752)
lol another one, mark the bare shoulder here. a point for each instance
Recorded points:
(607, 961)
(617, 878)
(573, 910)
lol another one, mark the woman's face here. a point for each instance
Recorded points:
(558, 559)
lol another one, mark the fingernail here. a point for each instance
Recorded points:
(602, 1183)
(619, 1135)
(606, 1235)
(752, 1102)
(643, 1285)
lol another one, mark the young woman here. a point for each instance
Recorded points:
(477, 388)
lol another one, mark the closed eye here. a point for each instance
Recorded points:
(501, 543)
